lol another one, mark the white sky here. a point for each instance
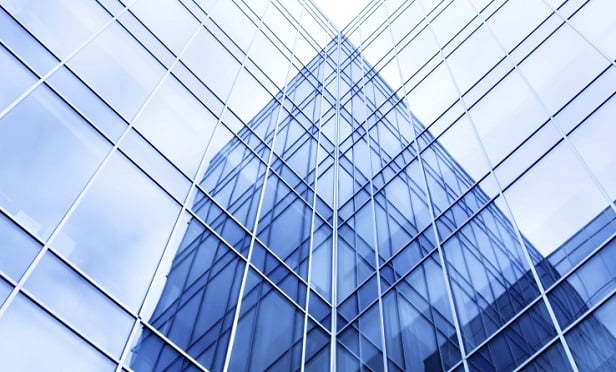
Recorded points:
(341, 12)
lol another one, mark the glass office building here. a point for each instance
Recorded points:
(238, 185)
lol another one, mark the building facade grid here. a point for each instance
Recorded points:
(238, 185)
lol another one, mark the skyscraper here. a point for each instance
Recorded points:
(237, 185)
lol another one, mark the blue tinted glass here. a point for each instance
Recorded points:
(5, 290)
(33, 340)
(266, 319)
(517, 342)
(419, 328)
(43, 139)
(70, 297)
(552, 359)
(119, 69)
(61, 25)
(588, 285)
(196, 306)
(118, 231)
(14, 78)
(592, 342)
(151, 353)
(17, 249)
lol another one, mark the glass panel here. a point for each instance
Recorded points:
(212, 63)
(151, 353)
(563, 200)
(594, 141)
(34, 341)
(266, 319)
(489, 275)
(515, 19)
(117, 233)
(588, 285)
(17, 249)
(42, 139)
(168, 19)
(14, 78)
(552, 359)
(419, 328)
(82, 306)
(177, 124)
(592, 22)
(593, 342)
(62, 25)
(195, 296)
(118, 68)
(518, 115)
(564, 54)
(518, 341)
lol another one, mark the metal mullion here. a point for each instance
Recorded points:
(443, 264)
(259, 206)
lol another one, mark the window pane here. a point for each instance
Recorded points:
(117, 67)
(47, 149)
(17, 249)
(34, 341)
(80, 304)
(62, 25)
(118, 231)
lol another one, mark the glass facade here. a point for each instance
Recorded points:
(238, 185)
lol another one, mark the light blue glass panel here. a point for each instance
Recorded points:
(33, 341)
(5, 290)
(168, 20)
(88, 103)
(118, 68)
(17, 249)
(563, 54)
(25, 45)
(594, 140)
(61, 25)
(78, 303)
(518, 115)
(118, 231)
(452, 20)
(14, 78)
(177, 124)
(207, 58)
(426, 105)
(595, 24)
(563, 200)
(42, 139)
(515, 20)
(155, 165)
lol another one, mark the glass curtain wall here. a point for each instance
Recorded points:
(237, 185)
